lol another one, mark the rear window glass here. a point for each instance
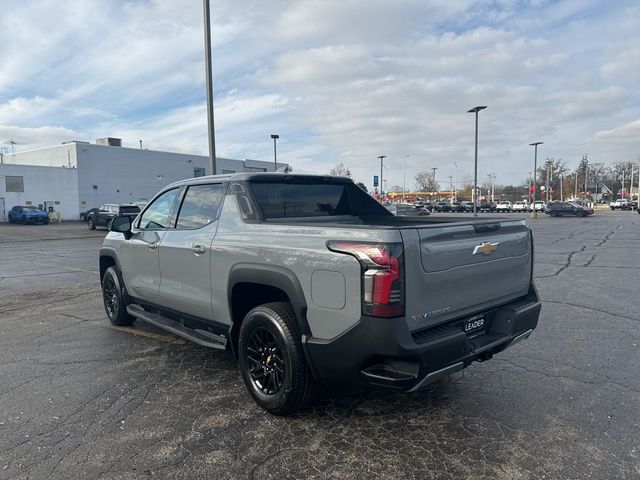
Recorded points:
(201, 205)
(313, 199)
(132, 209)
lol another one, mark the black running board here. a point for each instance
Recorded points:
(201, 337)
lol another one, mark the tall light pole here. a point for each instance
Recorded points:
(209, 86)
(534, 214)
(275, 154)
(475, 169)
(381, 157)
(450, 189)
(404, 177)
(455, 181)
(433, 175)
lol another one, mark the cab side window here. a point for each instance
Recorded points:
(158, 213)
(201, 205)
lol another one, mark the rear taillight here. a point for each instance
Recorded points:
(382, 276)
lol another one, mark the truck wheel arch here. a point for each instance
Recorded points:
(263, 283)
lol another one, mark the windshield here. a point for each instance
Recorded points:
(30, 208)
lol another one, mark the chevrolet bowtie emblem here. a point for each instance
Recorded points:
(486, 248)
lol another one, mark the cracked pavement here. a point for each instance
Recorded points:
(82, 399)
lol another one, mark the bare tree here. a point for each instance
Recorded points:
(425, 182)
(395, 189)
(340, 170)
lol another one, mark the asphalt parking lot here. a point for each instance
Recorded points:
(80, 398)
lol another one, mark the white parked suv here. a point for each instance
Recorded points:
(539, 206)
(521, 206)
(504, 207)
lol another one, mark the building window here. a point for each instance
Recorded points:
(199, 172)
(14, 183)
(95, 187)
(256, 169)
(228, 171)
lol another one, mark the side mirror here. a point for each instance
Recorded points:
(122, 225)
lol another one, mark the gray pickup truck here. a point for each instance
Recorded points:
(308, 279)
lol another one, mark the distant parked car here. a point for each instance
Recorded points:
(108, 212)
(457, 207)
(487, 206)
(521, 206)
(621, 204)
(539, 206)
(557, 209)
(467, 206)
(441, 207)
(84, 216)
(504, 207)
(27, 214)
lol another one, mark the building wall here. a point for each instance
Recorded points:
(41, 184)
(57, 156)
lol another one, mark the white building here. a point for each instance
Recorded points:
(76, 176)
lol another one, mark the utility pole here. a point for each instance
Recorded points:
(534, 214)
(455, 182)
(381, 157)
(561, 182)
(631, 184)
(548, 165)
(575, 194)
(404, 177)
(475, 169)
(451, 188)
(275, 154)
(209, 86)
(586, 173)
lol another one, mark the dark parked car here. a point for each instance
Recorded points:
(107, 212)
(487, 206)
(84, 216)
(457, 207)
(27, 214)
(441, 207)
(556, 209)
(407, 210)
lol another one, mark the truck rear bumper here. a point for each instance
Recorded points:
(384, 353)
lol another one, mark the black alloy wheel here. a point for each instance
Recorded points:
(267, 368)
(272, 363)
(115, 299)
(110, 296)
(90, 224)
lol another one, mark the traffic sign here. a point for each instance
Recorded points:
(375, 180)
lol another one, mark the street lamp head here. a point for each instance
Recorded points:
(274, 136)
(382, 156)
(536, 143)
(477, 109)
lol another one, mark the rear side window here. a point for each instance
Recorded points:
(313, 199)
(201, 205)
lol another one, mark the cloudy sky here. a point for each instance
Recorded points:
(339, 81)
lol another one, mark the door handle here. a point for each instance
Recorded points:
(198, 249)
(153, 246)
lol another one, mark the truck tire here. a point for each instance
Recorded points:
(115, 303)
(272, 362)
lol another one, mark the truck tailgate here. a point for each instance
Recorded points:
(463, 269)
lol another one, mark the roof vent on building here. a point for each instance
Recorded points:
(109, 141)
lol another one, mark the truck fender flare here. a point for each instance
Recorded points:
(272, 276)
(109, 252)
